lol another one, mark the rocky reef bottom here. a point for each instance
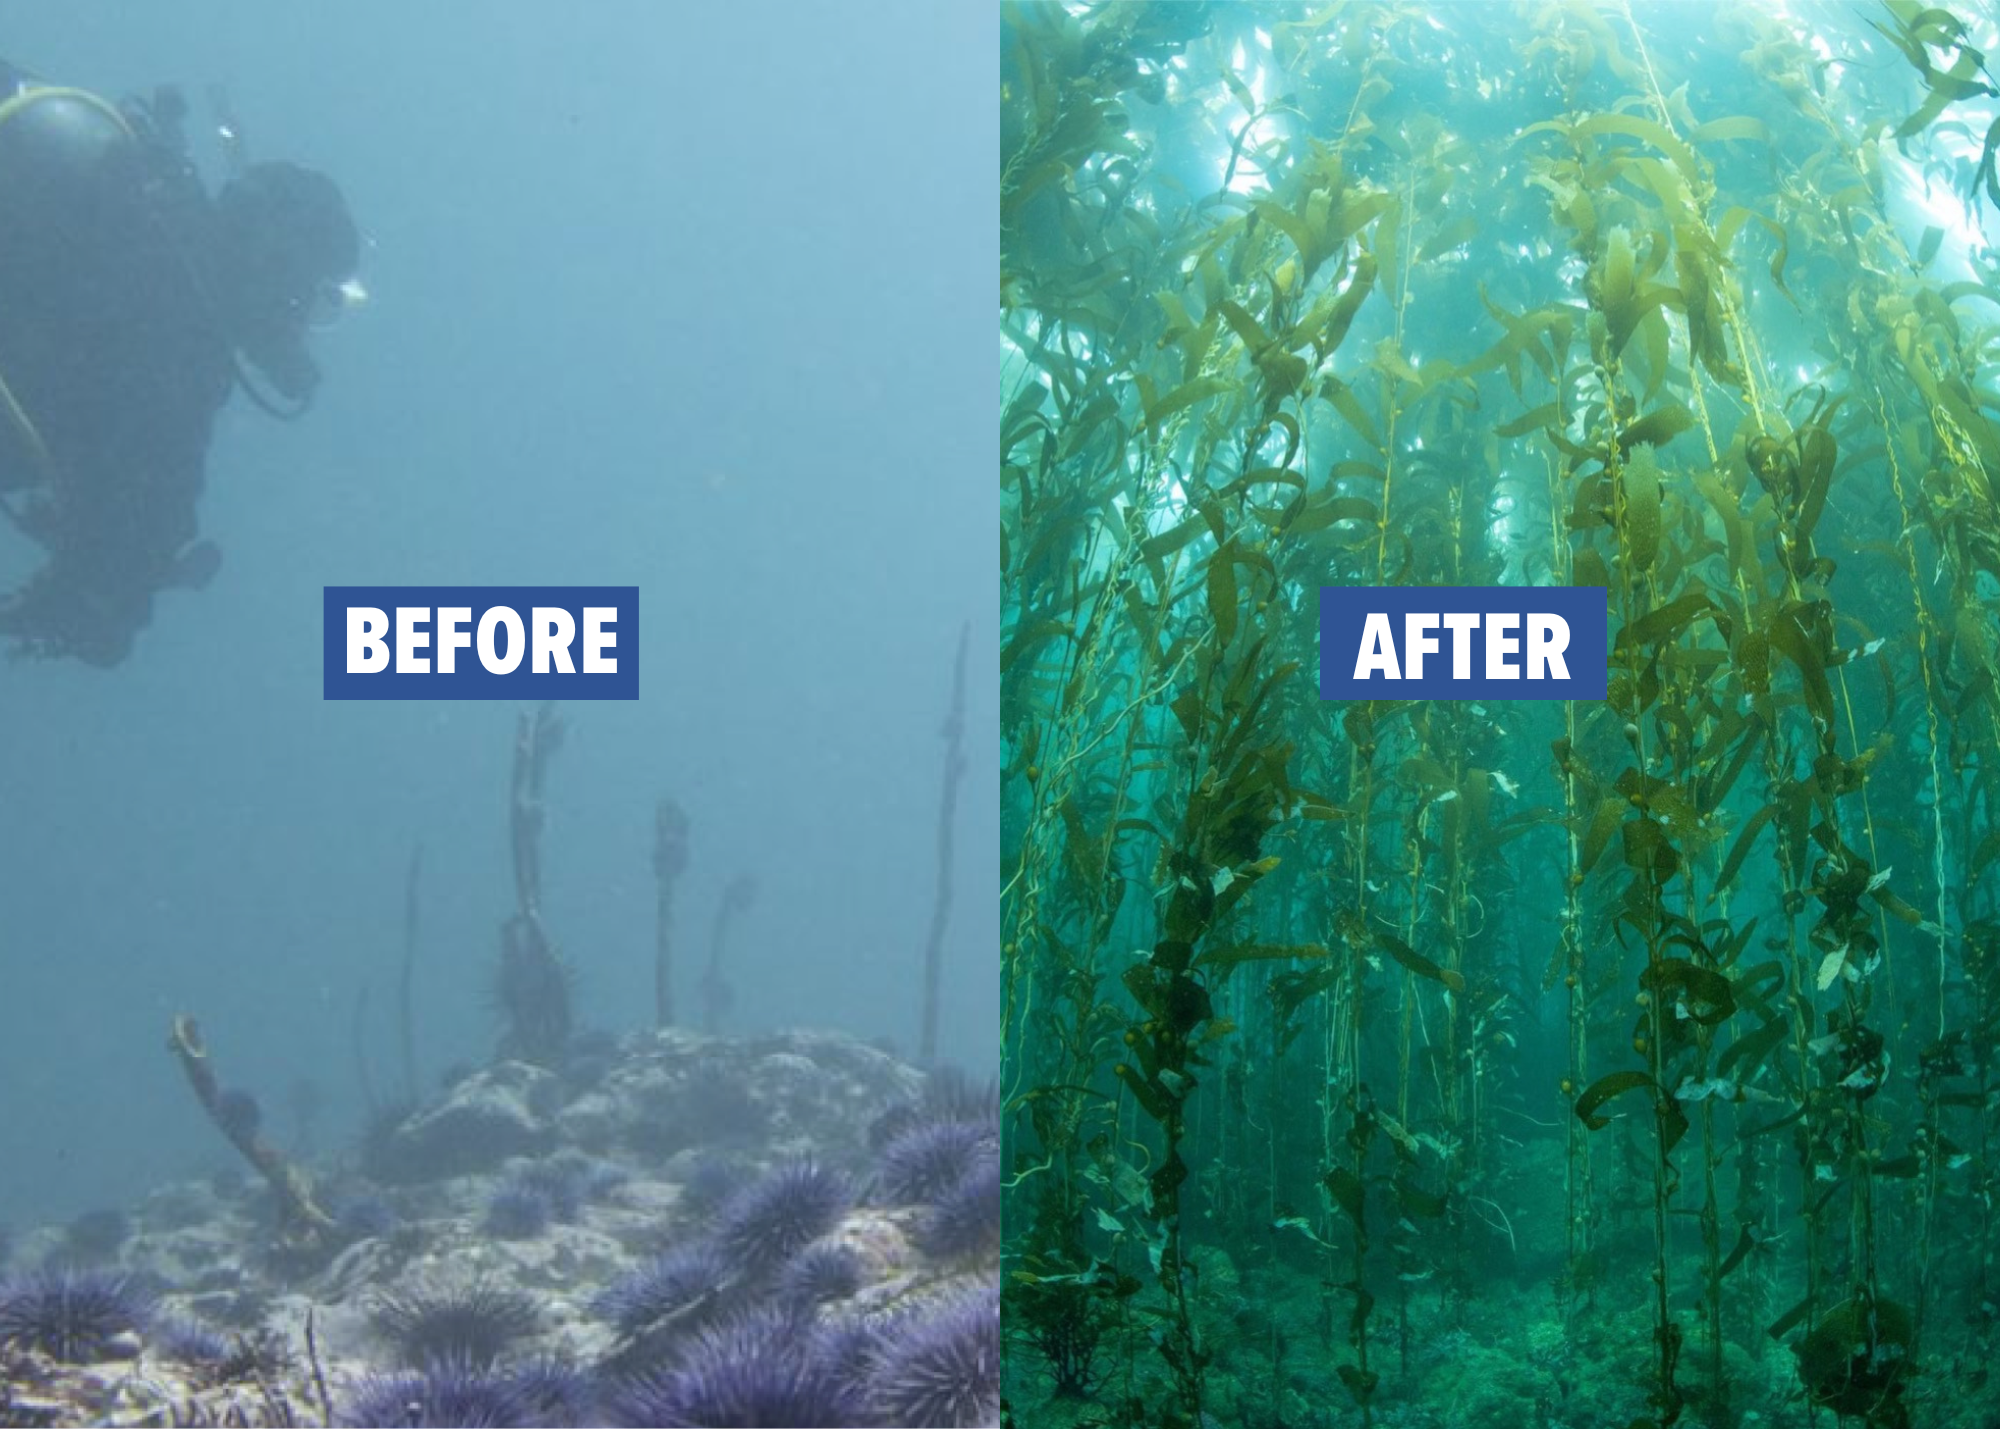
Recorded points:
(1509, 1343)
(670, 1229)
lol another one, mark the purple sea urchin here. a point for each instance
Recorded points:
(519, 1211)
(452, 1395)
(762, 1370)
(941, 1368)
(71, 1313)
(684, 1281)
(954, 1094)
(948, 1094)
(554, 1392)
(965, 1222)
(925, 1162)
(559, 1181)
(767, 1224)
(470, 1325)
(820, 1273)
(361, 1216)
(188, 1340)
(239, 1112)
(847, 1345)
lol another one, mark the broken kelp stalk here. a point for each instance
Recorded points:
(299, 1214)
(537, 737)
(716, 993)
(670, 860)
(532, 991)
(954, 770)
(532, 988)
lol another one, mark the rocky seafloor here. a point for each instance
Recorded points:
(674, 1229)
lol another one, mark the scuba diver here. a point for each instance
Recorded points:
(130, 303)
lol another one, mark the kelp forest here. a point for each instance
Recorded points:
(1515, 1063)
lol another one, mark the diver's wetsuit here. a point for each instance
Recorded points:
(115, 360)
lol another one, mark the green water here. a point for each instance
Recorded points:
(1517, 1063)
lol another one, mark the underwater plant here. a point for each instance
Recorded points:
(1065, 1322)
(532, 988)
(1431, 1033)
(71, 1313)
(532, 983)
(768, 1222)
(300, 1218)
(717, 996)
(474, 1323)
(954, 770)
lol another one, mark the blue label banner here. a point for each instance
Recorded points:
(482, 642)
(1463, 642)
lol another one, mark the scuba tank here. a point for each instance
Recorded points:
(53, 141)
